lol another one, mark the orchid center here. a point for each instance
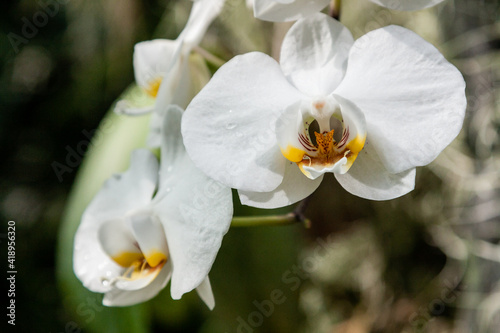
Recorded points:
(137, 244)
(323, 138)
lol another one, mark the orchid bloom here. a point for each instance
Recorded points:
(368, 111)
(291, 10)
(131, 241)
(164, 72)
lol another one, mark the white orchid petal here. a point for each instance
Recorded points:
(155, 128)
(288, 128)
(369, 179)
(179, 89)
(170, 89)
(355, 129)
(228, 128)
(283, 11)
(128, 191)
(118, 242)
(314, 172)
(314, 54)
(295, 187)
(117, 297)
(121, 194)
(173, 153)
(195, 215)
(195, 211)
(152, 60)
(202, 14)
(407, 4)
(140, 280)
(150, 236)
(204, 290)
(412, 98)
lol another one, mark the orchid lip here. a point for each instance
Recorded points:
(137, 244)
(139, 269)
(326, 139)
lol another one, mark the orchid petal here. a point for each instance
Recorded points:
(408, 5)
(412, 98)
(194, 75)
(204, 290)
(283, 11)
(369, 179)
(140, 280)
(314, 172)
(173, 153)
(295, 187)
(202, 14)
(150, 236)
(120, 194)
(118, 242)
(195, 215)
(152, 59)
(155, 128)
(195, 210)
(314, 54)
(117, 297)
(228, 128)
(172, 84)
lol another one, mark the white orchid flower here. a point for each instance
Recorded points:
(369, 111)
(291, 10)
(164, 72)
(131, 241)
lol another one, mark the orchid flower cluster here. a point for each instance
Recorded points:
(369, 111)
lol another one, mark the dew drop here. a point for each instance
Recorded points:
(230, 126)
(169, 168)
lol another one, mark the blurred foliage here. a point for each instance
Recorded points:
(426, 262)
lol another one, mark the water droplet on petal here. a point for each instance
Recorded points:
(230, 126)
(169, 168)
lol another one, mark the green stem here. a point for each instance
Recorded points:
(209, 57)
(254, 221)
(335, 9)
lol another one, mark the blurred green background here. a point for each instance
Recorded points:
(427, 262)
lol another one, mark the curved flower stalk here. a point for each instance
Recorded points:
(151, 224)
(368, 111)
(291, 10)
(164, 71)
